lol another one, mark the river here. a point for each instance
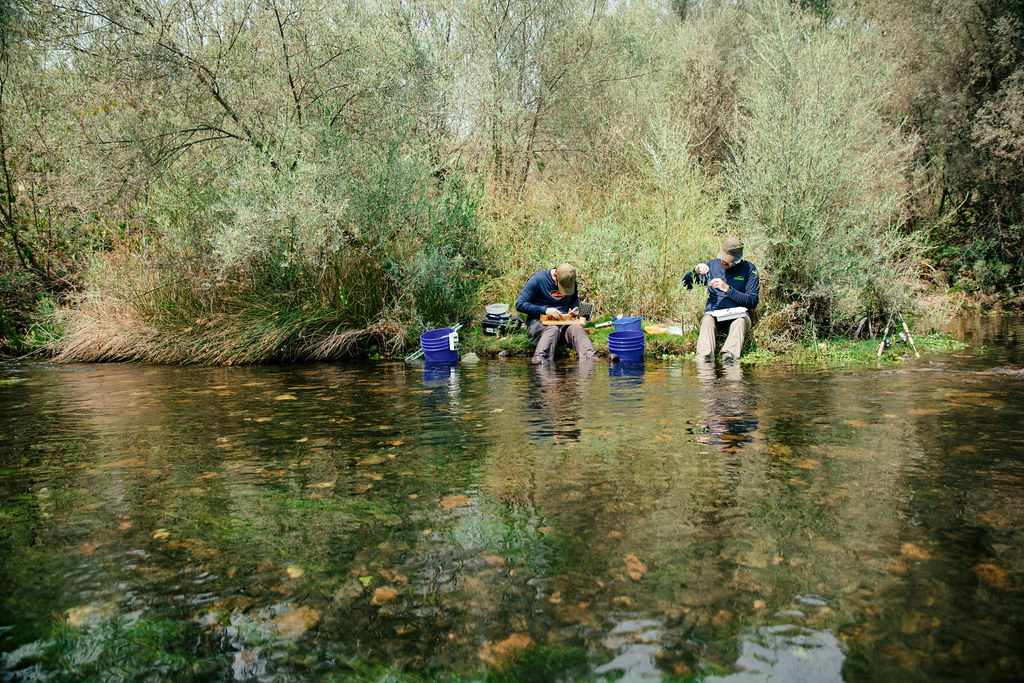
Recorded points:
(504, 521)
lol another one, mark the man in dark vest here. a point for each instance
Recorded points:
(732, 283)
(553, 293)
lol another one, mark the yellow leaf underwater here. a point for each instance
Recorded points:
(914, 552)
(634, 567)
(295, 623)
(80, 616)
(161, 534)
(924, 411)
(285, 397)
(997, 577)
(780, 450)
(498, 652)
(455, 501)
(295, 571)
(383, 594)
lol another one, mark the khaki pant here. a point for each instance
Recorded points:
(733, 343)
(547, 337)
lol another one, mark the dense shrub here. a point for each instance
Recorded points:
(335, 176)
(285, 263)
(819, 173)
(631, 240)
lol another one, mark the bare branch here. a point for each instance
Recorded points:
(287, 63)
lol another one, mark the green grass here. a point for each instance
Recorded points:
(836, 352)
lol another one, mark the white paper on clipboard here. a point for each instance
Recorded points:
(729, 313)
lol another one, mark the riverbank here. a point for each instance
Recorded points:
(224, 342)
(831, 352)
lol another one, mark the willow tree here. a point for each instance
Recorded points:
(282, 180)
(820, 173)
(963, 93)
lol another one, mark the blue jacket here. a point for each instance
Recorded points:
(541, 293)
(742, 278)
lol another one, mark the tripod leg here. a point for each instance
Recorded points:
(910, 338)
(885, 335)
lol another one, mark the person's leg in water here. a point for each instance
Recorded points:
(545, 339)
(579, 340)
(706, 338)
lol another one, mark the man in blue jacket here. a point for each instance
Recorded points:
(732, 282)
(553, 293)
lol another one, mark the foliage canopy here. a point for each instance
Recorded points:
(241, 180)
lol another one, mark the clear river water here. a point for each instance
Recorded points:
(502, 521)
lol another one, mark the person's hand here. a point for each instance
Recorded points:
(719, 284)
(702, 269)
(553, 313)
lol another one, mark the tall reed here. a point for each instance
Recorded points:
(632, 239)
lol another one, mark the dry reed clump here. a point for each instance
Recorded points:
(101, 329)
(388, 335)
(105, 323)
(134, 312)
(774, 329)
(934, 304)
(114, 331)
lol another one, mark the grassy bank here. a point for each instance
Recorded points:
(832, 352)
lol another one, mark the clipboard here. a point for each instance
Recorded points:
(729, 313)
(548, 320)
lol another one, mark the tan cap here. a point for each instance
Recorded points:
(565, 276)
(732, 249)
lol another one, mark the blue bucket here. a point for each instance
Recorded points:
(436, 346)
(628, 345)
(624, 324)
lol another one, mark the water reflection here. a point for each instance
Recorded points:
(553, 400)
(442, 384)
(730, 411)
(669, 520)
(626, 381)
(787, 653)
